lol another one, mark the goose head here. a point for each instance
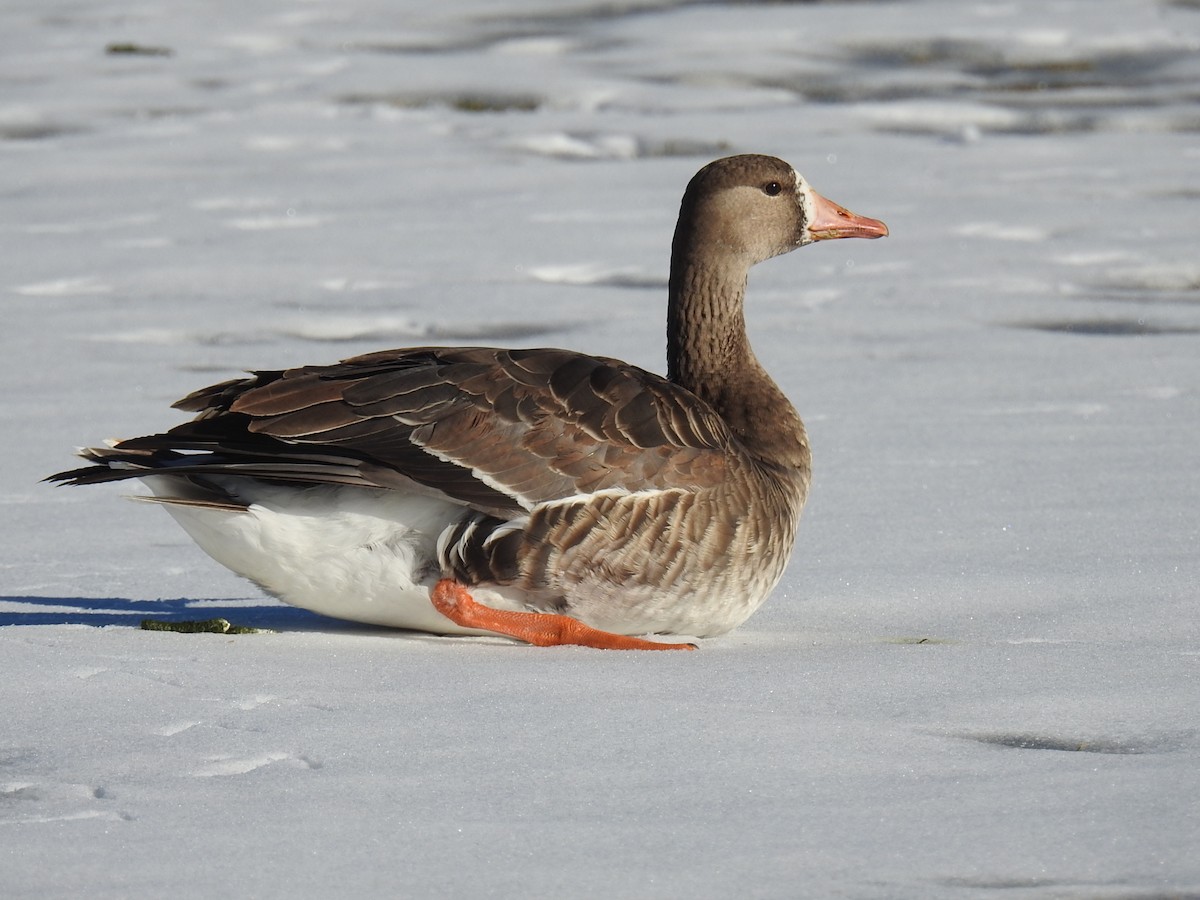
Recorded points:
(752, 207)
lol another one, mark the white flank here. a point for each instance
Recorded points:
(367, 556)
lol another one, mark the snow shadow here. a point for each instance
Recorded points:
(99, 612)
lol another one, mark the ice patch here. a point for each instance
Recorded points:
(1092, 257)
(1044, 37)
(65, 287)
(151, 243)
(815, 298)
(144, 336)
(348, 328)
(258, 43)
(571, 146)
(537, 46)
(225, 767)
(276, 143)
(590, 274)
(81, 226)
(1155, 392)
(1001, 232)
(1047, 409)
(568, 274)
(271, 143)
(937, 116)
(274, 223)
(355, 285)
(227, 203)
(1159, 277)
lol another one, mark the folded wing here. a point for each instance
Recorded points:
(497, 430)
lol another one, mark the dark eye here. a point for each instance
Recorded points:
(772, 188)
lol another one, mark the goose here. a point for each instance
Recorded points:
(546, 495)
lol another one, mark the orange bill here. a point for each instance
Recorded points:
(830, 221)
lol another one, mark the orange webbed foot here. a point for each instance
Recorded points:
(455, 602)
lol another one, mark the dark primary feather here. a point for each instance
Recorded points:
(496, 430)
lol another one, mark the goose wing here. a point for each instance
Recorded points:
(497, 430)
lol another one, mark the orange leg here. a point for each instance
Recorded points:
(454, 602)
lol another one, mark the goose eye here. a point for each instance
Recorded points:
(772, 188)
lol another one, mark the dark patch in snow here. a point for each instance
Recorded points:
(129, 48)
(1031, 90)
(1001, 883)
(1031, 741)
(1106, 327)
(37, 131)
(468, 101)
(25, 792)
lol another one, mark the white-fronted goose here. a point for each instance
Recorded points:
(548, 495)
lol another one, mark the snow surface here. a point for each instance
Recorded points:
(980, 676)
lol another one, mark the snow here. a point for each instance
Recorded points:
(980, 676)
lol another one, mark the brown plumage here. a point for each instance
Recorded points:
(543, 480)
